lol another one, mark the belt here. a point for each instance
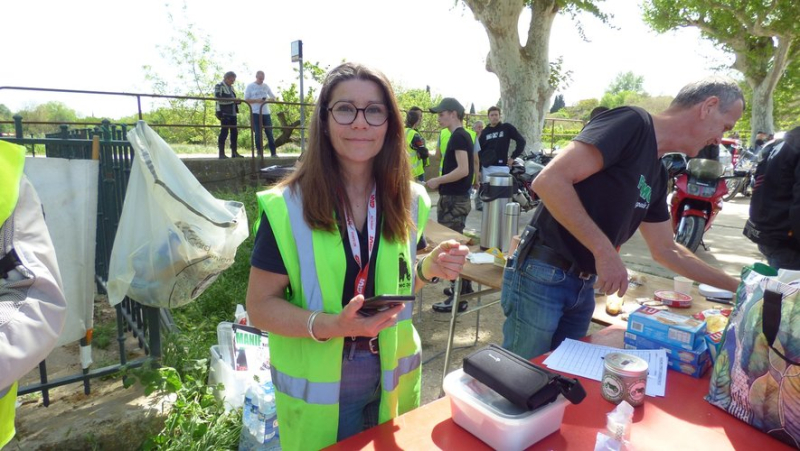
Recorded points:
(546, 255)
(361, 344)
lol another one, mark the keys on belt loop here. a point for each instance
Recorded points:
(373, 345)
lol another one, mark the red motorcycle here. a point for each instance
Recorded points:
(697, 198)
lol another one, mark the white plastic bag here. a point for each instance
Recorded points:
(174, 238)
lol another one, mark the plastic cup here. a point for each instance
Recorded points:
(682, 285)
(614, 304)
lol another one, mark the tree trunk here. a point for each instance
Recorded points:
(761, 109)
(763, 75)
(523, 71)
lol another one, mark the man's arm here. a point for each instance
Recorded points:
(673, 256)
(461, 171)
(517, 137)
(555, 186)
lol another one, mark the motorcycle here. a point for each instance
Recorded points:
(743, 175)
(697, 197)
(523, 171)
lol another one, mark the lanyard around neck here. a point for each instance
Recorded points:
(355, 244)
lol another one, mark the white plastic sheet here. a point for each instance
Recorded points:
(68, 191)
(174, 238)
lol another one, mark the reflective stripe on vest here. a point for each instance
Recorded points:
(310, 392)
(405, 365)
(305, 248)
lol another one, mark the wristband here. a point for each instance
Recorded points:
(421, 276)
(310, 326)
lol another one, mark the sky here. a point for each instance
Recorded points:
(102, 46)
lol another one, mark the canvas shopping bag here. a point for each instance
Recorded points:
(756, 377)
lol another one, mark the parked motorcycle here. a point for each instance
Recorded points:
(697, 199)
(742, 179)
(523, 171)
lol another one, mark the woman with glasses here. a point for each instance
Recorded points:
(344, 227)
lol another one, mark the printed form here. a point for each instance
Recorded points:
(586, 360)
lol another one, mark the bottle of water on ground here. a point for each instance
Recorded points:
(259, 419)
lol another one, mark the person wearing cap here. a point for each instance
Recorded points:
(774, 222)
(456, 179)
(604, 186)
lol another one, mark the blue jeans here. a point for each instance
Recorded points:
(359, 393)
(266, 121)
(781, 257)
(544, 305)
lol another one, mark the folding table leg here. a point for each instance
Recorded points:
(451, 333)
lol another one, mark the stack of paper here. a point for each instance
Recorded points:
(586, 360)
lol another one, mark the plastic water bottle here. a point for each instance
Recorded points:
(259, 419)
(268, 418)
(247, 439)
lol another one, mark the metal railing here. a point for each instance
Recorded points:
(107, 143)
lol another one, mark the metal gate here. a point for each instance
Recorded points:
(108, 144)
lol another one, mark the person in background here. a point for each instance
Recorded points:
(494, 141)
(32, 304)
(257, 94)
(455, 182)
(477, 127)
(226, 111)
(774, 222)
(417, 152)
(597, 110)
(605, 184)
(709, 152)
(343, 227)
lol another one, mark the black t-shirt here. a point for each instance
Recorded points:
(495, 142)
(631, 187)
(460, 140)
(267, 256)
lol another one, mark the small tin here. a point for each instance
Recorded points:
(624, 378)
(673, 298)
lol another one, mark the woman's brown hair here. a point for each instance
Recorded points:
(319, 174)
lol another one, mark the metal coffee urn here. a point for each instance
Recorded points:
(495, 196)
(511, 227)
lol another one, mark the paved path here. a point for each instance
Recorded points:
(728, 248)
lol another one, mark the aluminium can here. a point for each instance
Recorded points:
(624, 378)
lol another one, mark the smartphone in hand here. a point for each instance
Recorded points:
(383, 302)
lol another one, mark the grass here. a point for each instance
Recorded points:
(197, 420)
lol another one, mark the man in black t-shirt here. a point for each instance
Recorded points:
(596, 193)
(456, 179)
(495, 141)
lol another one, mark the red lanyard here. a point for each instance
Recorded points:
(355, 245)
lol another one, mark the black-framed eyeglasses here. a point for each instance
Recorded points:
(345, 113)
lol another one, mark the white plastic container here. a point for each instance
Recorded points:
(235, 382)
(495, 420)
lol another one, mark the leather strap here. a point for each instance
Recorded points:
(771, 321)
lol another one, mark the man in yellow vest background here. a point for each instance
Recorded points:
(32, 303)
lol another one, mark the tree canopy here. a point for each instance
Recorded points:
(525, 72)
(764, 37)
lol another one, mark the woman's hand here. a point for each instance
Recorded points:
(350, 323)
(445, 261)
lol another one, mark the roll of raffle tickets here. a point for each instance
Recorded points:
(673, 298)
(624, 378)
